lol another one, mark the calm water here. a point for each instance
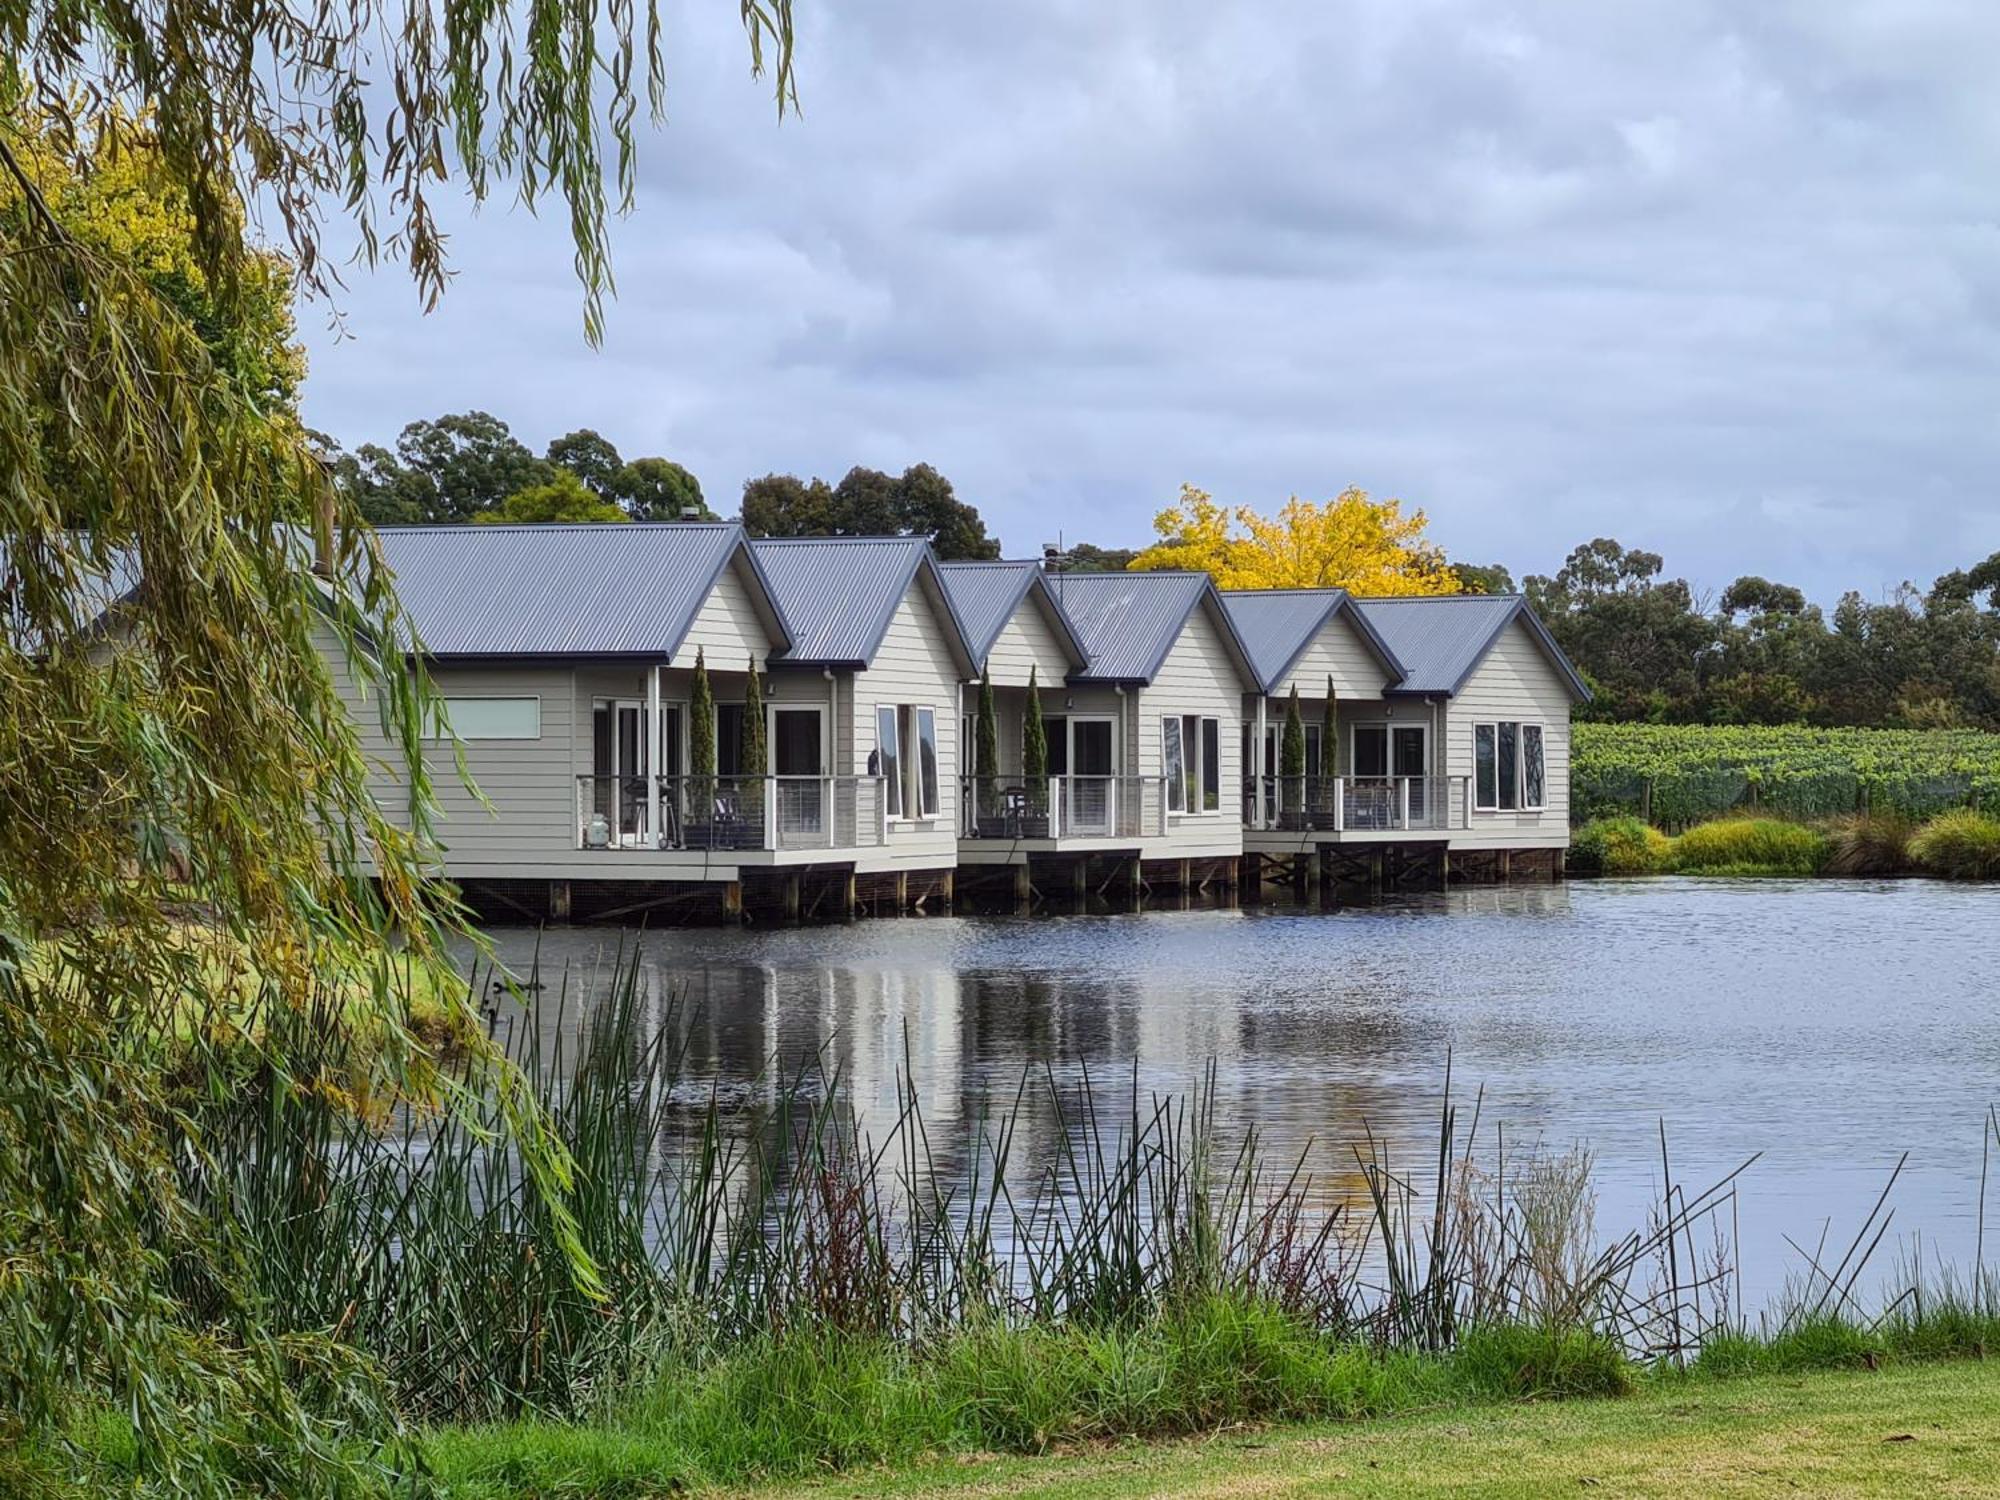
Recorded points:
(1829, 1025)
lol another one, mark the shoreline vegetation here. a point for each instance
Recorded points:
(1963, 844)
(777, 1293)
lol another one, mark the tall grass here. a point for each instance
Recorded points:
(1962, 845)
(713, 1230)
(1750, 846)
(778, 1289)
(1868, 844)
(1620, 846)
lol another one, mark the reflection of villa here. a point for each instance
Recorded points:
(1436, 731)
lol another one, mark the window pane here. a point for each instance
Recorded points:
(1056, 732)
(1531, 765)
(1510, 768)
(1211, 765)
(1486, 784)
(1315, 765)
(888, 759)
(1371, 749)
(927, 765)
(495, 718)
(729, 739)
(1172, 766)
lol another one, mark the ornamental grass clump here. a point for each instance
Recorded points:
(1620, 846)
(1962, 845)
(1750, 846)
(1868, 844)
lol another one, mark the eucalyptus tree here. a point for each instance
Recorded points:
(173, 745)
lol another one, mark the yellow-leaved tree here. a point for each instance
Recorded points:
(1352, 542)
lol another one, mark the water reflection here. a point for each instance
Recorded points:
(1829, 1025)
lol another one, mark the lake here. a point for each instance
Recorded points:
(1829, 1025)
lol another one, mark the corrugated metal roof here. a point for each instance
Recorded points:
(1276, 626)
(556, 590)
(1127, 622)
(986, 595)
(838, 594)
(1440, 639)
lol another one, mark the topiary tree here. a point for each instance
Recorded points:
(1035, 749)
(1292, 755)
(701, 745)
(986, 745)
(1329, 759)
(756, 754)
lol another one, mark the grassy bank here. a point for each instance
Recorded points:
(1958, 845)
(799, 1410)
(1913, 1431)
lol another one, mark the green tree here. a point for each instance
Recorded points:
(205, 762)
(563, 499)
(1292, 755)
(756, 755)
(591, 457)
(1329, 746)
(467, 463)
(868, 502)
(1083, 557)
(658, 489)
(1035, 748)
(701, 729)
(986, 745)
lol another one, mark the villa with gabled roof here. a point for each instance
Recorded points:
(1435, 731)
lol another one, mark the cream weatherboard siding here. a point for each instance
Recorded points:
(914, 665)
(1199, 677)
(1515, 681)
(1027, 640)
(1336, 650)
(727, 627)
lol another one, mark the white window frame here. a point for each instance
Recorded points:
(1521, 802)
(450, 728)
(888, 719)
(1173, 761)
(1191, 731)
(1521, 759)
(927, 807)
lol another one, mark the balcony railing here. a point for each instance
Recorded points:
(1356, 804)
(730, 812)
(1062, 807)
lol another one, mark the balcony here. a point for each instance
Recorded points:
(1357, 804)
(730, 813)
(1064, 808)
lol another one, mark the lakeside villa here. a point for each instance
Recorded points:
(1437, 730)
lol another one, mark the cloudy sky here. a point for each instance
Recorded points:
(1717, 278)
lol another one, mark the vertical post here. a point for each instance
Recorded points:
(1257, 764)
(1339, 802)
(1465, 799)
(1403, 804)
(653, 752)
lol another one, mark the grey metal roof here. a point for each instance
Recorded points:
(837, 594)
(1276, 626)
(629, 590)
(1128, 622)
(986, 595)
(1440, 639)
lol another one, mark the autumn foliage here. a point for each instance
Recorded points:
(1352, 542)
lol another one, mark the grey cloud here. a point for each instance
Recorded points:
(1716, 279)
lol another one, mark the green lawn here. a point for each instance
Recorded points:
(1913, 1430)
